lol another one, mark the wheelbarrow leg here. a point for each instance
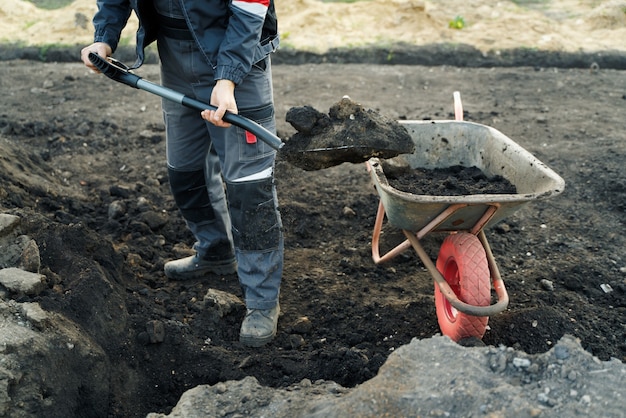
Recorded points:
(380, 216)
(405, 245)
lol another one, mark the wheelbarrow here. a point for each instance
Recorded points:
(465, 271)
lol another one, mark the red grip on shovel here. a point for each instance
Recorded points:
(250, 138)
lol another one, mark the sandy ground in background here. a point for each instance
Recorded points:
(560, 25)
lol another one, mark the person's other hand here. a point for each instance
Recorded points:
(222, 97)
(100, 48)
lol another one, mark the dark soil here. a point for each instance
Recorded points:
(348, 133)
(74, 143)
(450, 181)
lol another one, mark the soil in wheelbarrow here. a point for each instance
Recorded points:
(449, 181)
(82, 164)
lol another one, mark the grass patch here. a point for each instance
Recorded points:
(50, 4)
(29, 24)
(43, 50)
(457, 23)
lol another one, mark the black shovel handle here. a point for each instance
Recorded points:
(117, 71)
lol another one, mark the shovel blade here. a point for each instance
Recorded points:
(321, 158)
(349, 133)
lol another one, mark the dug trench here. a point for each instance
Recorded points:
(83, 168)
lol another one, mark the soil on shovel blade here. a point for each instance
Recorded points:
(350, 133)
(82, 162)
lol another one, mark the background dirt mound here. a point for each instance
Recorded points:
(317, 25)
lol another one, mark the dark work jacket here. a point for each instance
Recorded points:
(231, 38)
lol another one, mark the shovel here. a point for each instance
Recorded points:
(118, 71)
(297, 152)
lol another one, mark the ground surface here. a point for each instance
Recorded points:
(72, 143)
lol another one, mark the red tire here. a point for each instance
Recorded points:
(463, 264)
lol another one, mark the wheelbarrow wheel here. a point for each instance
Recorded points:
(462, 262)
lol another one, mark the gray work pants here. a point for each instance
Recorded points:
(247, 214)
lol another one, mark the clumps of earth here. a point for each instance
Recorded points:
(348, 133)
(449, 181)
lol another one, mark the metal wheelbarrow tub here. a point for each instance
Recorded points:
(440, 144)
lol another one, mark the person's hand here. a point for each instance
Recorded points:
(222, 97)
(100, 48)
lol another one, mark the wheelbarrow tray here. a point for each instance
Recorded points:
(441, 144)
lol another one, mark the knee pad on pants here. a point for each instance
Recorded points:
(191, 195)
(255, 219)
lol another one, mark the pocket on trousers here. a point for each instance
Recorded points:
(252, 147)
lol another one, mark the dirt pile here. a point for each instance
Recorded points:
(422, 379)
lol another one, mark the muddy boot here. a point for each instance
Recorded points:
(259, 326)
(194, 267)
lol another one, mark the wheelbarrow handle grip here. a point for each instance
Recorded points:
(119, 73)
